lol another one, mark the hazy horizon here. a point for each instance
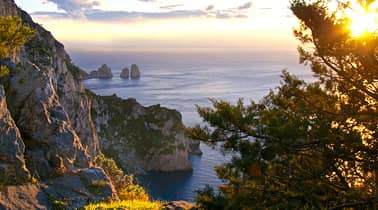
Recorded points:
(141, 25)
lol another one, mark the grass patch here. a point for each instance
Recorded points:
(130, 205)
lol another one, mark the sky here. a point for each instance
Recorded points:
(166, 24)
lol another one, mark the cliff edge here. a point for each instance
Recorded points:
(48, 132)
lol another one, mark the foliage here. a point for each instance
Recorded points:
(124, 184)
(130, 205)
(13, 34)
(117, 176)
(96, 186)
(307, 145)
(58, 204)
(75, 71)
(4, 71)
(133, 193)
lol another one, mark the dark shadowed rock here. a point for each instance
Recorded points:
(135, 73)
(195, 147)
(125, 73)
(87, 185)
(12, 163)
(69, 192)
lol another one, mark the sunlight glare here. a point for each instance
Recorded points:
(363, 20)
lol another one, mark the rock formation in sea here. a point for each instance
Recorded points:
(125, 73)
(141, 138)
(48, 131)
(103, 72)
(134, 72)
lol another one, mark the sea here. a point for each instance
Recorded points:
(183, 79)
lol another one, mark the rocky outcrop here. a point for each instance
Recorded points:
(125, 74)
(134, 72)
(12, 163)
(194, 147)
(47, 129)
(69, 192)
(103, 72)
(141, 138)
(46, 101)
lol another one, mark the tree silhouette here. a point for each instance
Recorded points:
(307, 145)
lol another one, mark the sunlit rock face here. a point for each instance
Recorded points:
(47, 127)
(46, 101)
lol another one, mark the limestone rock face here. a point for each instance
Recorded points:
(135, 73)
(48, 104)
(103, 72)
(141, 138)
(12, 163)
(125, 73)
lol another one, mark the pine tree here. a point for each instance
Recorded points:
(307, 145)
(13, 34)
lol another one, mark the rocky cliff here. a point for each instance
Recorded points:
(39, 91)
(141, 138)
(12, 162)
(46, 122)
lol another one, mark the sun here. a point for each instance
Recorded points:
(363, 20)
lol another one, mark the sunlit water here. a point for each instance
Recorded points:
(182, 80)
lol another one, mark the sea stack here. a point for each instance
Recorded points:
(125, 74)
(103, 72)
(135, 73)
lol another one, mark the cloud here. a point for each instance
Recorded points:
(85, 9)
(245, 6)
(115, 16)
(171, 6)
(210, 7)
(75, 8)
(236, 12)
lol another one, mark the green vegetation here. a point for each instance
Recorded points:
(58, 204)
(307, 145)
(40, 51)
(116, 175)
(131, 195)
(75, 71)
(130, 205)
(97, 186)
(13, 34)
(122, 112)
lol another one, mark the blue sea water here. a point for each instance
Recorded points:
(180, 80)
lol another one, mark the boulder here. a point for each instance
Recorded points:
(195, 147)
(125, 73)
(135, 73)
(69, 192)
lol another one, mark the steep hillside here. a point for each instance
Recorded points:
(47, 131)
